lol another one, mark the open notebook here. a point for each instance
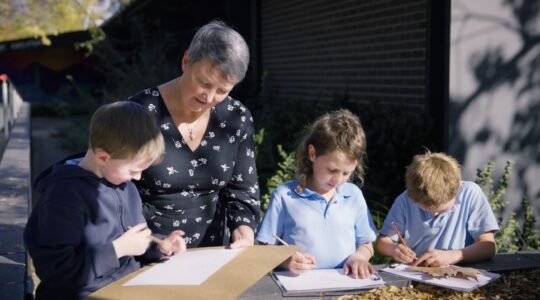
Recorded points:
(456, 283)
(323, 281)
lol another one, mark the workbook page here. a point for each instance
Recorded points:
(325, 280)
(187, 268)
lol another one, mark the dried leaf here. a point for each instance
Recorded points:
(449, 271)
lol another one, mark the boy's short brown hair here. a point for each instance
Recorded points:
(125, 129)
(433, 179)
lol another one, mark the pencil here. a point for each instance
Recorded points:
(155, 239)
(152, 238)
(286, 244)
(401, 240)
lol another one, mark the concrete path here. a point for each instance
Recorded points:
(14, 199)
(20, 163)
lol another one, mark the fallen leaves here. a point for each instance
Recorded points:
(515, 285)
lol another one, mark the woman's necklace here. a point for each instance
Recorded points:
(191, 127)
(190, 130)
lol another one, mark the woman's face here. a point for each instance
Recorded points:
(202, 85)
(329, 170)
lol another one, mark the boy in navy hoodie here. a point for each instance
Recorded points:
(87, 228)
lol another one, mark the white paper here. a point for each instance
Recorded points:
(325, 280)
(456, 283)
(187, 268)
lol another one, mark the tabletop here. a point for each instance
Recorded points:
(266, 288)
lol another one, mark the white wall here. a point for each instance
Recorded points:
(495, 91)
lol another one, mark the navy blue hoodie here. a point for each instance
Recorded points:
(70, 231)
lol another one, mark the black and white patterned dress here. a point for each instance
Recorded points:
(202, 192)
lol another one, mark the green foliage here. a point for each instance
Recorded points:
(40, 18)
(531, 237)
(97, 35)
(512, 237)
(494, 195)
(284, 173)
(508, 238)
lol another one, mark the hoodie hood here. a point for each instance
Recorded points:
(67, 168)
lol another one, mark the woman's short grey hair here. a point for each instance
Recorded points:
(225, 48)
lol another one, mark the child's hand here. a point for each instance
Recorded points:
(438, 258)
(300, 263)
(403, 254)
(135, 241)
(357, 266)
(173, 243)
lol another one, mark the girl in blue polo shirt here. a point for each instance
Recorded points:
(320, 211)
(442, 219)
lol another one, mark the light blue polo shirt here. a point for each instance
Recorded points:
(330, 231)
(457, 228)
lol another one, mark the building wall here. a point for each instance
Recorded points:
(373, 50)
(495, 91)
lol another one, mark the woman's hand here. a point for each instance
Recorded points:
(135, 241)
(438, 258)
(243, 236)
(299, 263)
(174, 243)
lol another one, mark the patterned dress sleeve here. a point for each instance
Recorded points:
(241, 194)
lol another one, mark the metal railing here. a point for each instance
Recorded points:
(15, 166)
(11, 104)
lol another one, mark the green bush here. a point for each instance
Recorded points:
(512, 237)
(284, 173)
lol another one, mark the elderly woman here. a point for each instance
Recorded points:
(207, 181)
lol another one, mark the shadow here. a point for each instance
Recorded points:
(13, 270)
(499, 114)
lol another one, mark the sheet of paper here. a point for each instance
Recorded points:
(456, 283)
(188, 268)
(325, 279)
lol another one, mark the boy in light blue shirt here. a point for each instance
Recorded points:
(322, 212)
(442, 219)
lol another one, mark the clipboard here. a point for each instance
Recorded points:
(229, 282)
(454, 283)
(323, 282)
